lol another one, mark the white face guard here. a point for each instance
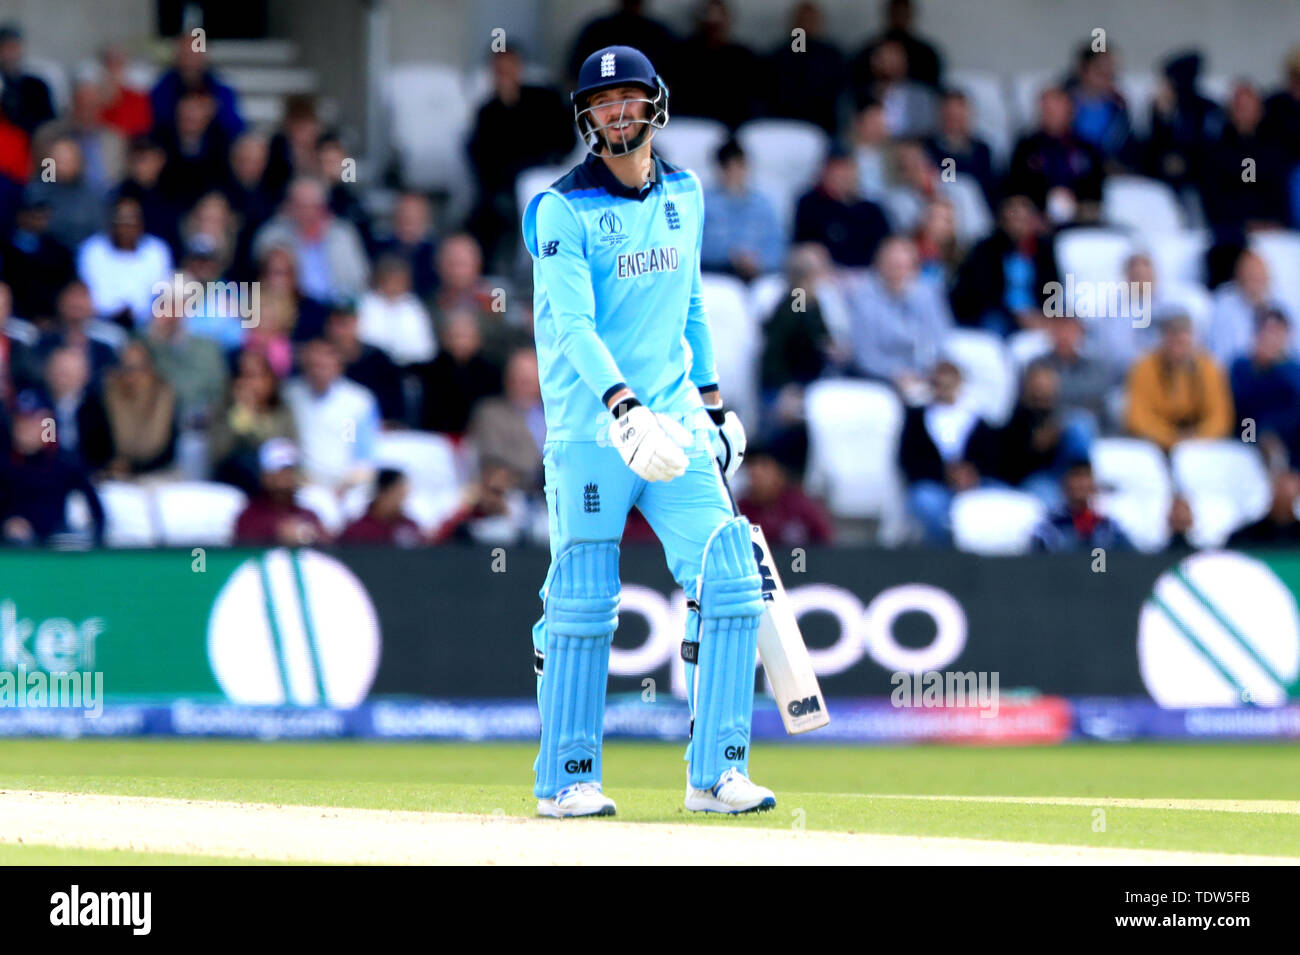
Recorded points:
(594, 134)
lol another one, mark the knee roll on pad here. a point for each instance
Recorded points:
(722, 688)
(579, 618)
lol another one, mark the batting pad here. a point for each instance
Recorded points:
(580, 614)
(731, 603)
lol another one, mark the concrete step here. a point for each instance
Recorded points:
(227, 53)
(279, 80)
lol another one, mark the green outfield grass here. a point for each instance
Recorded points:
(838, 788)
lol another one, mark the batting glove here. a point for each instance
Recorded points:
(650, 443)
(728, 440)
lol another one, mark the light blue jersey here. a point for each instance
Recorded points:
(617, 297)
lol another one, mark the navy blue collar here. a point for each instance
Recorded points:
(598, 171)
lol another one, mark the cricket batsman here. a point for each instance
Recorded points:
(634, 418)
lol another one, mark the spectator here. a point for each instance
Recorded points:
(459, 378)
(1281, 525)
(103, 149)
(122, 107)
(775, 499)
(1003, 283)
(35, 264)
(1178, 391)
(710, 60)
(293, 152)
(142, 417)
(413, 241)
(909, 106)
(367, 365)
(1060, 172)
(937, 247)
(1076, 525)
(219, 315)
(330, 259)
(24, 98)
(870, 144)
(273, 518)
(512, 428)
(917, 182)
(628, 26)
(76, 206)
(1101, 115)
(78, 328)
(384, 521)
(899, 319)
(197, 148)
(521, 125)
(1086, 381)
(344, 201)
(492, 510)
(36, 477)
(393, 318)
(1042, 439)
(806, 81)
(1124, 334)
(337, 419)
(248, 198)
(191, 72)
(462, 287)
(945, 448)
(278, 278)
(797, 347)
(1183, 124)
(253, 414)
(194, 366)
(834, 215)
(741, 232)
(145, 160)
(1234, 203)
(923, 62)
(1281, 123)
(1236, 303)
(211, 231)
(1266, 390)
(81, 423)
(123, 266)
(954, 140)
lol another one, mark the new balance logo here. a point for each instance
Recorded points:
(670, 214)
(607, 65)
(809, 704)
(591, 499)
(578, 766)
(550, 248)
(734, 752)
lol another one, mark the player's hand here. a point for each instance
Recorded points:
(647, 444)
(729, 440)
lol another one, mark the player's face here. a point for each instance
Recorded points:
(611, 109)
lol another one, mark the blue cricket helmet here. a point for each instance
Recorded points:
(611, 67)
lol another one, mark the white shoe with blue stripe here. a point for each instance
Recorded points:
(577, 799)
(733, 793)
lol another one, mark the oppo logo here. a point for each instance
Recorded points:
(864, 630)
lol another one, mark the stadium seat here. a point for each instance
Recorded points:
(128, 514)
(1141, 204)
(324, 503)
(1134, 489)
(990, 382)
(736, 341)
(1025, 90)
(785, 159)
(990, 119)
(995, 521)
(1138, 89)
(428, 460)
(1178, 256)
(429, 508)
(692, 143)
(198, 512)
(1281, 251)
(1225, 483)
(1093, 254)
(430, 119)
(853, 431)
(765, 293)
(477, 82)
(1026, 345)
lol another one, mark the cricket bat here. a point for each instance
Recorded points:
(782, 650)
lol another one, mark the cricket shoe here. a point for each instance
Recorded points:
(577, 799)
(733, 793)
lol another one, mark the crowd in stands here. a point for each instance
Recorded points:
(373, 326)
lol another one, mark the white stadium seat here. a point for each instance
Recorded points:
(535, 179)
(129, 515)
(1141, 204)
(1134, 489)
(736, 340)
(853, 431)
(995, 521)
(324, 503)
(1225, 483)
(1093, 254)
(427, 460)
(990, 382)
(1281, 251)
(765, 293)
(429, 508)
(1027, 345)
(1138, 89)
(1178, 256)
(990, 119)
(1025, 90)
(785, 159)
(430, 119)
(692, 143)
(198, 512)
